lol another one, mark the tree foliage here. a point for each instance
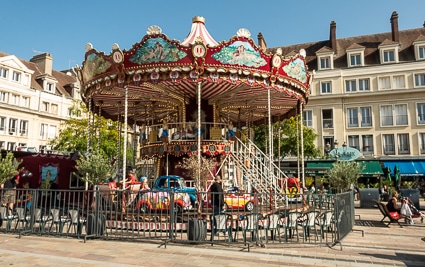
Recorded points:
(288, 138)
(343, 174)
(8, 167)
(194, 170)
(73, 133)
(95, 168)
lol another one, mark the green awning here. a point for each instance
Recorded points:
(372, 168)
(320, 164)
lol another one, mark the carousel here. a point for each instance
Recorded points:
(196, 96)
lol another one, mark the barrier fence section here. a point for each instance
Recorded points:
(170, 216)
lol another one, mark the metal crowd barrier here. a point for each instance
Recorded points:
(166, 216)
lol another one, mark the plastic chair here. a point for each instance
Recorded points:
(324, 221)
(41, 220)
(250, 224)
(221, 223)
(22, 217)
(291, 224)
(7, 216)
(309, 223)
(58, 220)
(76, 221)
(272, 225)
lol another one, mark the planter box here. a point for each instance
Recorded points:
(367, 195)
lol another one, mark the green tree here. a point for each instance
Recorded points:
(290, 142)
(95, 168)
(344, 173)
(8, 167)
(73, 133)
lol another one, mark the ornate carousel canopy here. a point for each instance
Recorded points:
(161, 78)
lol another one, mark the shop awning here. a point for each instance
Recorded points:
(407, 167)
(370, 168)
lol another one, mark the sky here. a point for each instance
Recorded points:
(62, 28)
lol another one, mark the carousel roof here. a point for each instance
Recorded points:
(160, 75)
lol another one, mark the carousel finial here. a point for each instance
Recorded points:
(242, 32)
(154, 30)
(198, 19)
(302, 52)
(115, 46)
(88, 47)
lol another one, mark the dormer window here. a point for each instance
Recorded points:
(325, 63)
(50, 87)
(355, 55)
(388, 51)
(3, 73)
(16, 76)
(419, 47)
(325, 57)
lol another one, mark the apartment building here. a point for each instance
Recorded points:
(34, 101)
(368, 93)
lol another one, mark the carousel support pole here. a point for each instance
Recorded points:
(124, 158)
(271, 149)
(199, 134)
(88, 139)
(302, 144)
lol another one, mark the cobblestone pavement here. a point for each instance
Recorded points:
(371, 243)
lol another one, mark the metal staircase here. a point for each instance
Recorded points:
(260, 173)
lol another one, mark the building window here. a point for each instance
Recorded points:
(352, 117)
(308, 118)
(388, 142)
(384, 83)
(355, 60)
(3, 73)
(50, 87)
(389, 56)
(422, 143)
(23, 128)
(13, 124)
(2, 124)
(14, 100)
(399, 82)
(43, 131)
(353, 141)
(325, 63)
(364, 85)
(54, 108)
(25, 102)
(350, 86)
(327, 116)
(421, 113)
(386, 116)
(11, 146)
(367, 141)
(400, 114)
(45, 106)
(16, 76)
(420, 80)
(52, 132)
(421, 52)
(326, 87)
(3, 97)
(366, 116)
(403, 144)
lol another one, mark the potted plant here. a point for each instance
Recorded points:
(94, 168)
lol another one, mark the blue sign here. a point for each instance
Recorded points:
(344, 153)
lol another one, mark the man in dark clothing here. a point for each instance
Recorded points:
(217, 197)
(9, 195)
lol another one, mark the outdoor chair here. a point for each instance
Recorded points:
(22, 217)
(221, 223)
(324, 221)
(41, 220)
(76, 221)
(309, 223)
(250, 224)
(291, 224)
(272, 224)
(7, 217)
(58, 220)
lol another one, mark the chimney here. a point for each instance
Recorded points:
(394, 26)
(44, 62)
(261, 42)
(332, 35)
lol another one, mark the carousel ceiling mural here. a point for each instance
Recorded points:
(159, 78)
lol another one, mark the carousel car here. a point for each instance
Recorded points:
(237, 200)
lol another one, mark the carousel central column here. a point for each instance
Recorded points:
(124, 158)
(199, 134)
